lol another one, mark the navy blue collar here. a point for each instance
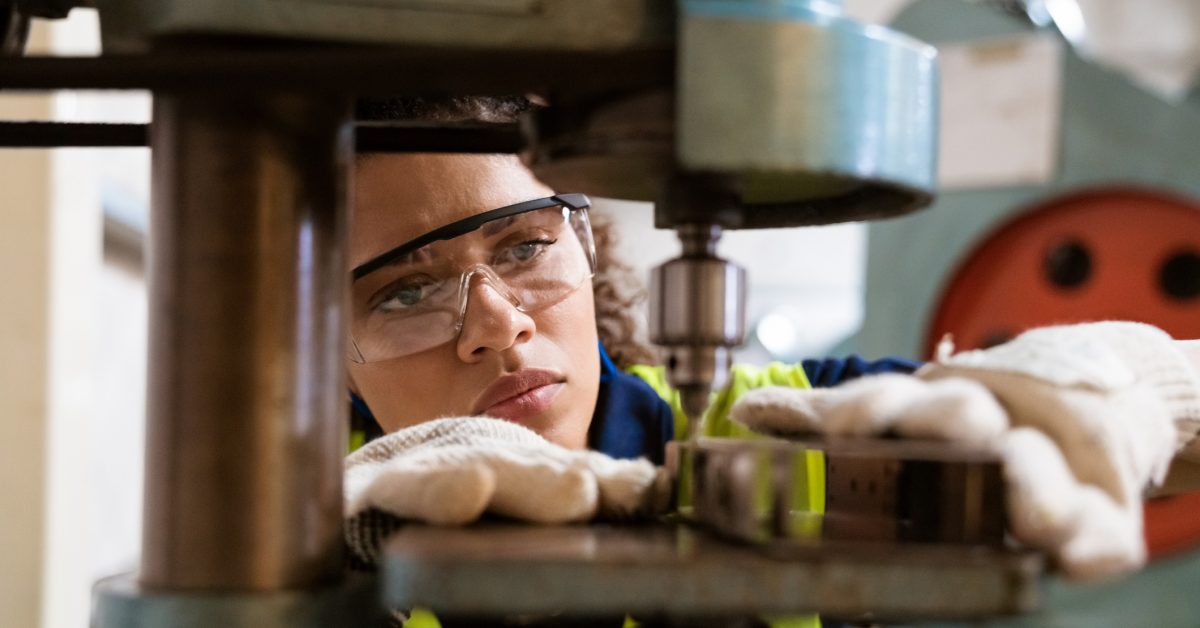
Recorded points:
(630, 420)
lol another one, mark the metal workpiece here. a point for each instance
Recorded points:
(656, 571)
(783, 495)
(814, 117)
(120, 602)
(698, 314)
(246, 413)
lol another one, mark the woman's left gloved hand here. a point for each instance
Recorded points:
(1085, 417)
(451, 471)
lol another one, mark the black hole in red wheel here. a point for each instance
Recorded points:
(1068, 265)
(1179, 277)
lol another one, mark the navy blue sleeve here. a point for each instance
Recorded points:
(833, 371)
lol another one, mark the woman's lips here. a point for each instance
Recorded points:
(520, 395)
(525, 405)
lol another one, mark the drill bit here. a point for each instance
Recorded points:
(694, 399)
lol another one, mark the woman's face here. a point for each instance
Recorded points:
(500, 351)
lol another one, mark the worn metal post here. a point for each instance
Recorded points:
(245, 414)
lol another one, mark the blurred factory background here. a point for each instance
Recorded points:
(1069, 190)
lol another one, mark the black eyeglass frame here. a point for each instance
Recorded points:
(466, 225)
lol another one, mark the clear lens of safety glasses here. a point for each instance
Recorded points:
(418, 299)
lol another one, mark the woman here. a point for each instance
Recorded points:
(476, 294)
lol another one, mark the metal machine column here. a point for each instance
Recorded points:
(245, 404)
(245, 420)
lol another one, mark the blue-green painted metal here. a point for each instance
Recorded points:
(1112, 133)
(804, 103)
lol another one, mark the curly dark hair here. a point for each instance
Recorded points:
(492, 109)
(617, 290)
(618, 294)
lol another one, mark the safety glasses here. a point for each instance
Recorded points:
(414, 297)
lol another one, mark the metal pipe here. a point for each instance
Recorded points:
(393, 71)
(246, 412)
(368, 137)
(25, 134)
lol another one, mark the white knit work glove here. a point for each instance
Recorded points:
(450, 471)
(1085, 417)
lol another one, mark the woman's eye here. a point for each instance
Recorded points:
(405, 295)
(528, 250)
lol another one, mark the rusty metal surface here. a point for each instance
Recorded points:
(502, 570)
(245, 400)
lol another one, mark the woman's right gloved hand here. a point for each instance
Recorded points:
(1085, 417)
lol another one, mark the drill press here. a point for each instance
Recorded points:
(731, 114)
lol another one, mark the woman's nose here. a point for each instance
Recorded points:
(491, 322)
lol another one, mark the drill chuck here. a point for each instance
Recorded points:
(697, 314)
